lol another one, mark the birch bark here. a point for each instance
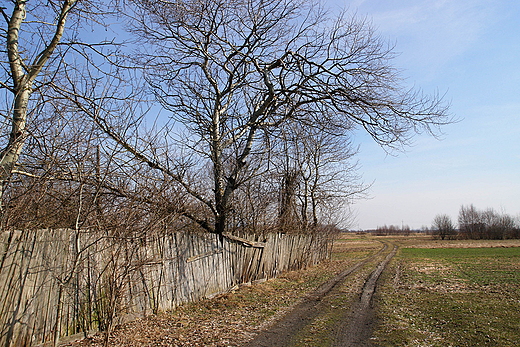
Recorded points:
(22, 79)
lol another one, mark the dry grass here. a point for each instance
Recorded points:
(234, 318)
(426, 241)
(442, 300)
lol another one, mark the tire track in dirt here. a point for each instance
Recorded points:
(302, 315)
(358, 328)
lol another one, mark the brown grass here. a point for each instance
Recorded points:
(236, 317)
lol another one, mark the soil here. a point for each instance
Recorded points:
(354, 329)
(358, 329)
(240, 318)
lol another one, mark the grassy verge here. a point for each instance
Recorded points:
(451, 297)
(233, 318)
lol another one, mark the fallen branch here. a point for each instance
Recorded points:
(244, 242)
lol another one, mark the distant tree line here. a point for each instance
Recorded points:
(477, 224)
(392, 230)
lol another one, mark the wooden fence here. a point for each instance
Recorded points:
(55, 283)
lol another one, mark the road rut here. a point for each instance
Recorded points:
(354, 326)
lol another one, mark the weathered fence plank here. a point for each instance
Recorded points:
(61, 282)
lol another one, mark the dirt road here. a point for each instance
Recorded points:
(335, 313)
(328, 317)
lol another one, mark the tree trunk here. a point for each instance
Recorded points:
(23, 76)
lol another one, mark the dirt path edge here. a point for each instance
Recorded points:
(305, 312)
(359, 326)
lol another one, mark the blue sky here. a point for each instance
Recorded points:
(469, 50)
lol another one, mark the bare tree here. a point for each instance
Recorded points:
(231, 72)
(42, 42)
(329, 175)
(24, 67)
(471, 224)
(443, 226)
(324, 176)
(487, 224)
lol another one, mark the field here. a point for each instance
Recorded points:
(451, 295)
(432, 293)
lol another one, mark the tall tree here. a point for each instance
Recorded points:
(25, 65)
(41, 44)
(324, 174)
(232, 72)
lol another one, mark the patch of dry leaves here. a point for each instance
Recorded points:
(227, 320)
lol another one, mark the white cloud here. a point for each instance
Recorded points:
(430, 33)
